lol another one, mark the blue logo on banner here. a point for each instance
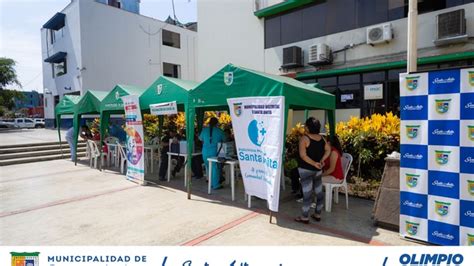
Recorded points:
(414, 156)
(443, 132)
(467, 105)
(467, 213)
(443, 234)
(443, 184)
(414, 108)
(443, 82)
(413, 204)
(256, 132)
(467, 160)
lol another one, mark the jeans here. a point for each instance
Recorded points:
(196, 166)
(311, 181)
(71, 146)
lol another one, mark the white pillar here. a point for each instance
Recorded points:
(412, 52)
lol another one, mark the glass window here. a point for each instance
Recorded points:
(349, 96)
(314, 21)
(171, 70)
(332, 81)
(340, 16)
(292, 27)
(349, 79)
(370, 12)
(272, 32)
(172, 39)
(59, 68)
(394, 74)
(397, 9)
(373, 77)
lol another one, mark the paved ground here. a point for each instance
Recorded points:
(57, 203)
(24, 136)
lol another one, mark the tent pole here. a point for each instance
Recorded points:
(271, 216)
(306, 114)
(190, 116)
(332, 123)
(58, 124)
(76, 135)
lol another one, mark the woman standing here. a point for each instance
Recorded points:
(313, 150)
(211, 136)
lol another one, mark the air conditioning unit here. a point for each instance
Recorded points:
(451, 27)
(319, 54)
(292, 57)
(379, 34)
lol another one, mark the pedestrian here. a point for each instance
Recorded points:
(211, 136)
(313, 151)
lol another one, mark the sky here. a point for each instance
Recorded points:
(21, 21)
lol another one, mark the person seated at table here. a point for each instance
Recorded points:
(85, 133)
(165, 148)
(332, 171)
(211, 136)
(196, 162)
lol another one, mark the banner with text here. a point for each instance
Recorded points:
(135, 139)
(258, 130)
(437, 156)
(169, 108)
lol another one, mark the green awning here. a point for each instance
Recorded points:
(66, 105)
(166, 89)
(281, 7)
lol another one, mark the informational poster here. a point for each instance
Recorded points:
(373, 91)
(169, 108)
(258, 131)
(135, 140)
(437, 157)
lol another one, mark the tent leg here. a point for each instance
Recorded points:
(271, 216)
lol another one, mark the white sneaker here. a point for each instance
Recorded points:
(313, 205)
(299, 200)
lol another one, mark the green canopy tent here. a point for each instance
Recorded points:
(88, 104)
(166, 89)
(113, 104)
(64, 107)
(212, 94)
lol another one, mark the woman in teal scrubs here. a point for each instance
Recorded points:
(211, 136)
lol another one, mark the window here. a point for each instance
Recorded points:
(171, 39)
(171, 70)
(326, 17)
(59, 68)
(52, 35)
(115, 3)
(349, 96)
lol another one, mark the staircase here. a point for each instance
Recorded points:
(37, 152)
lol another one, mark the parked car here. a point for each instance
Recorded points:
(25, 123)
(7, 123)
(39, 122)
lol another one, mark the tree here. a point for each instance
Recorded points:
(8, 73)
(7, 98)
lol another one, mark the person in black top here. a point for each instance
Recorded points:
(165, 148)
(313, 150)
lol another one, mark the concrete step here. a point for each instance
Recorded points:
(37, 148)
(27, 154)
(39, 159)
(35, 144)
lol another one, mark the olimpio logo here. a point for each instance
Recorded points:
(440, 132)
(412, 131)
(442, 157)
(443, 184)
(413, 156)
(412, 83)
(411, 228)
(444, 81)
(418, 107)
(442, 105)
(411, 180)
(117, 95)
(470, 132)
(443, 236)
(469, 214)
(431, 259)
(470, 240)
(469, 160)
(413, 204)
(442, 208)
(470, 77)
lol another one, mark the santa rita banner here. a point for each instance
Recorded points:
(258, 131)
(135, 139)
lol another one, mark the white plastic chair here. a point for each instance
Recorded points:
(112, 152)
(94, 153)
(346, 161)
(122, 157)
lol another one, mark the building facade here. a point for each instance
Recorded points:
(98, 44)
(344, 45)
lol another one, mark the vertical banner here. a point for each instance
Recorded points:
(437, 156)
(258, 131)
(135, 139)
